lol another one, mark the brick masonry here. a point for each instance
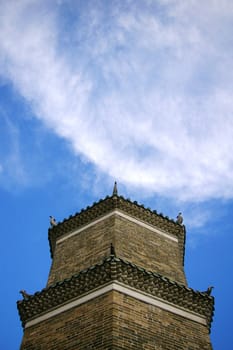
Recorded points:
(137, 325)
(132, 242)
(88, 326)
(115, 321)
(82, 250)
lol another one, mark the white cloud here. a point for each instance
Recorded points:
(197, 218)
(143, 91)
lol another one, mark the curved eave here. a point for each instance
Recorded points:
(105, 206)
(114, 269)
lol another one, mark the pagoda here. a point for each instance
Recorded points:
(117, 282)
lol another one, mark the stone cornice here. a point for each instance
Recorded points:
(108, 204)
(114, 269)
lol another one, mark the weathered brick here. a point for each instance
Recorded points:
(132, 242)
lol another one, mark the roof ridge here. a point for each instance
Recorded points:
(113, 258)
(88, 207)
(113, 268)
(104, 206)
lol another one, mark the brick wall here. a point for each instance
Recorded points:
(86, 327)
(131, 241)
(138, 325)
(115, 321)
(148, 249)
(82, 250)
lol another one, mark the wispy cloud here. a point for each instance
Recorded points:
(11, 164)
(144, 91)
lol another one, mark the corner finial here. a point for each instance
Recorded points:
(25, 295)
(209, 290)
(112, 250)
(52, 221)
(179, 219)
(115, 192)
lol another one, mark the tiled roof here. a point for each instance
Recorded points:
(115, 269)
(106, 205)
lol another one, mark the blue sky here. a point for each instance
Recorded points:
(134, 91)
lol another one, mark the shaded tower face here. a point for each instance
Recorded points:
(117, 282)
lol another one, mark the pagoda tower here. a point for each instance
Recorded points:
(116, 282)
